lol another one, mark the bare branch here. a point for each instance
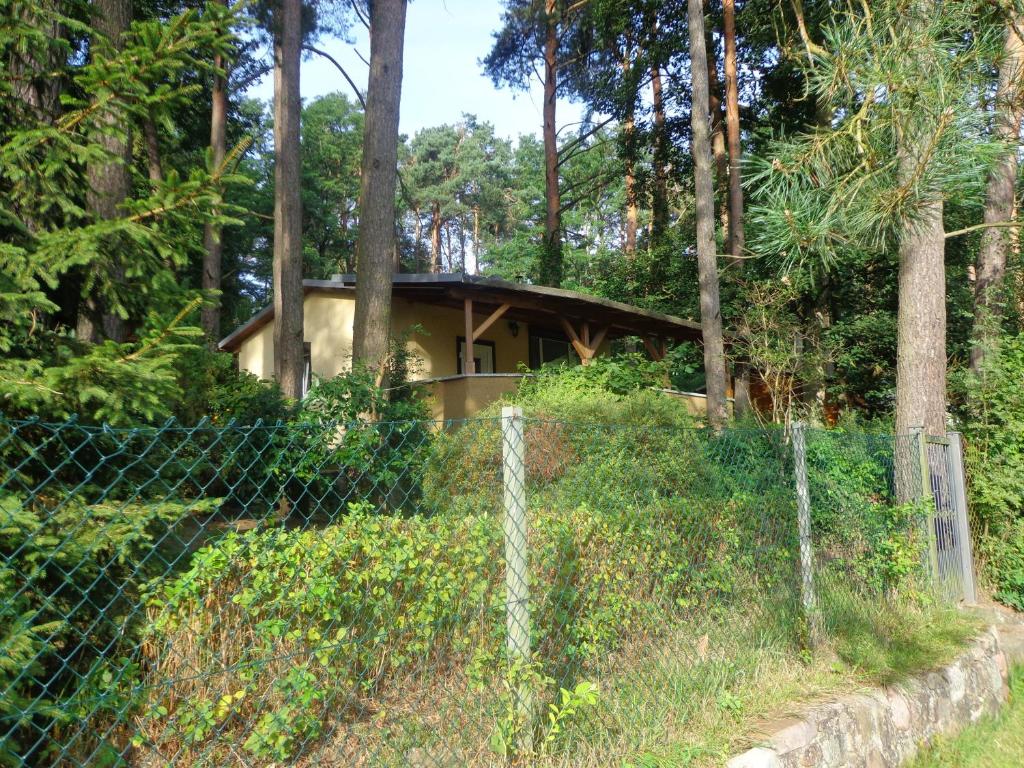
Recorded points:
(340, 68)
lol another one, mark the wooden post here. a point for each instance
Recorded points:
(517, 586)
(803, 513)
(468, 363)
(927, 500)
(958, 490)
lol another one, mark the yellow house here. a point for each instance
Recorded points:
(510, 325)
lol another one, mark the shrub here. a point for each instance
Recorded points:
(70, 582)
(993, 427)
(1004, 558)
(311, 622)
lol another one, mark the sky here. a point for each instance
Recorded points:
(442, 79)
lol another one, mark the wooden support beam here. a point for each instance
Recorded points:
(655, 353)
(468, 363)
(482, 328)
(574, 339)
(595, 343)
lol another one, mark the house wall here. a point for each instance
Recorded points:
(328, 329)
(256, 353)
(435, 347)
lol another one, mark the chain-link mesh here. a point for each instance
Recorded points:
(487, 592)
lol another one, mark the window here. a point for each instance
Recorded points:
(307, 367)
(483, 355)
(550, 349)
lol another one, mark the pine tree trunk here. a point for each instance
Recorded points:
(629, 151)
(737, 240)
(379, 179)
(476, 239)
(288, 294)
(214, 248)
(718, 148)
(418, 236)
(632, 209)
(921, 322)
(435, 237)
(710, 312)
(659, 198)
(551, 255)
(109, 181)
(997, 242)
(921, 317)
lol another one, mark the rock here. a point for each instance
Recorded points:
(758, 757)
(883, 728)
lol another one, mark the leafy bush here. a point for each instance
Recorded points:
(214, 388)
(993, 427)
(356, 603)
(313, 625)
(1004, 557)
(70, 582)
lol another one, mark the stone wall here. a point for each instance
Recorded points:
(885, 727)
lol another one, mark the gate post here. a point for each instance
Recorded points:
(932, 512)
(517, 585)
(803, 513)
(958, 489)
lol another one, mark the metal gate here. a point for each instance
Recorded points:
(949, 546)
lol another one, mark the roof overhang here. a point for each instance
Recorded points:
(540, 306)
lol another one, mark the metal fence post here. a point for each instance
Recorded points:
(958, 489)
(803, 510)
(926, 494)
(517, 585)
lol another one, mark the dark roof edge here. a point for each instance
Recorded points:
(347, 283)
(237, 336)
(457, 278)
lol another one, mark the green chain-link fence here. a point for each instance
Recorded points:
(488, 592)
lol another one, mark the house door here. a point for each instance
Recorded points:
(483, 356)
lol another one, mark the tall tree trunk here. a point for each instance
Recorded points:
(718, 147)
(418, 236)
(996, 242)
(435, 237)
(109, 181)
(379, 179)
(214, 247)
(476, 239)
(710, 312)
(737, 240)
(659, 199)
(288, 295)
(632, 209)
(30, 66)
(551, 256)
(629, 152)
(921, 319)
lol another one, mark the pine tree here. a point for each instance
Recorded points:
(909, 138)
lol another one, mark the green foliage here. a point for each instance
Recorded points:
(71, 577)
(876, 542)
(1004, 558)
(332, 150)
(892, 75)
(123, 266)
(327, 596)
(993, 425)
(620, 374)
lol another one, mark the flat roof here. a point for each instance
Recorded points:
(534, 304)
